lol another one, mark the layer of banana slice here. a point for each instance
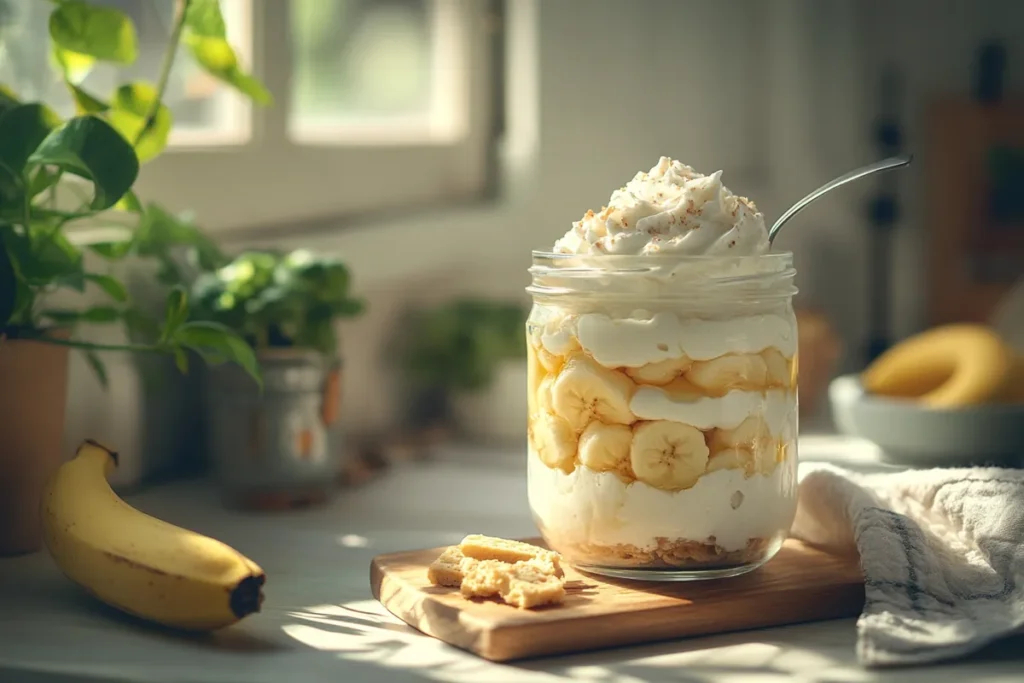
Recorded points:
(718, 376)
(585, 391)
(543, 395)
(605, 448)
(752, 434)
(732, 459)
(779, 373)
(660, 373)
(554, 441)
(549, 361)
(668, 455)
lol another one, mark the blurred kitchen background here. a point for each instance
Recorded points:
(432, 144)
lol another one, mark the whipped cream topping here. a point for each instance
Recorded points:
(650, 338)
(588, 507)
(672, 209)
(776, 408)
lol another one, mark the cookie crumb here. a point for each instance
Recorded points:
(520, 574)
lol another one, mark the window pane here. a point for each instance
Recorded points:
(203, 108)
(359, 62)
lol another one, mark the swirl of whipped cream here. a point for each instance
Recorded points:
(672, 209)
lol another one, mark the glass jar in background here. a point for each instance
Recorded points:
(663, 411)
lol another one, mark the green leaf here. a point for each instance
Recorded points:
(129, 202)
(8, 287)
(44, 256)
(86, 103)
(101, 314)
(128, 113)
(114, 289)
(217, 343)
(22, 130)
(161, 232)
(95, 314)
(97, 31)
(60, 316)
(349, 308)
(218, 59)
(213, 54)
(8, 100)
(204, 18)
(88, 146)
(73, 66)
(93, 359)
(42, 180)
(181, 360)
(112, 251)
(175, 312)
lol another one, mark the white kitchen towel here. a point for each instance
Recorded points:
(942, 553)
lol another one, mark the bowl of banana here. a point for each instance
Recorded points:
(952, 396)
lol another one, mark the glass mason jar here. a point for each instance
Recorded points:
(663, 411)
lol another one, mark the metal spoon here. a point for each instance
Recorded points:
(863, 172)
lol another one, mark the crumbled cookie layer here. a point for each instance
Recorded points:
(679, 554)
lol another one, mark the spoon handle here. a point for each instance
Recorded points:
(871, 169)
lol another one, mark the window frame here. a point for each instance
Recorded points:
(275, 183)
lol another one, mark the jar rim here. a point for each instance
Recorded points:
(663, 258)
(662, 276)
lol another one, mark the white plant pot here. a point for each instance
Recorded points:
(498, 412)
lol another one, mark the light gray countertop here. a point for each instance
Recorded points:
(320, 623)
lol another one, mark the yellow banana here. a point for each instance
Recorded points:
(137, 563)
(1013, 392)
(945, 367)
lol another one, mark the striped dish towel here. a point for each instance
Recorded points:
(942, 553)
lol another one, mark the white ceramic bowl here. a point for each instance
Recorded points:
(914, 435)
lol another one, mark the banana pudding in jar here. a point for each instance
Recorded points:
(662, 384)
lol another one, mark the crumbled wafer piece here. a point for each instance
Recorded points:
(490, 548)
(447, 570)
(485, 578)
(528, 587)
(522, 584)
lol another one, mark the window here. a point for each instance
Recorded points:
(205, 112)
(379, 104)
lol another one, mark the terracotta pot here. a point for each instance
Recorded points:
(32, 402)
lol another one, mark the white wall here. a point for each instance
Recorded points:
(606, 86)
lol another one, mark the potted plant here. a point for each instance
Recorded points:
(279, 447)
(469, 357)
(56, 173)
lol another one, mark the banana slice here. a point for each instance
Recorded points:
(751, 434)
(668, 455)
(542, 398)
(534, 377)
(779, 374)
(660, 373)
(549, 361)
(732, 459)
(746, 371)
(585, 391)
(554, 441)
(605, 448)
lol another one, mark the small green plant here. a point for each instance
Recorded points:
(278, 300)
(458, 345)
(45, 160)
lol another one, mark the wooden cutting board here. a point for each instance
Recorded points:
(800, 584)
